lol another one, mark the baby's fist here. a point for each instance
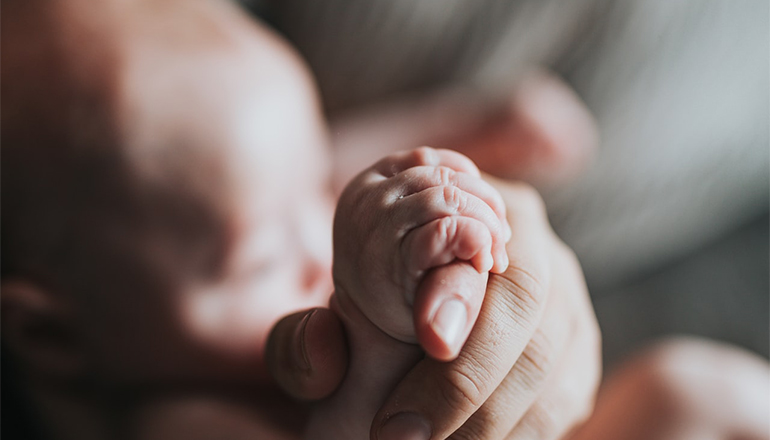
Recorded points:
(411, 212)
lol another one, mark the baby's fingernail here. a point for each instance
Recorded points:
(405, 426)
(501, 263)
(508, 232)
(449, 322)
(487, 263)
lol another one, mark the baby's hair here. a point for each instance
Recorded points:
(57, 145)
(78, 208)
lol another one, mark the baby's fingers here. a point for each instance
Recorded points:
(445, 201)
(443, 241)
(420, 178)
(425, 156)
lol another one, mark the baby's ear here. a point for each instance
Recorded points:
(39, 331)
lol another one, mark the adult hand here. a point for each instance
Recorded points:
(539, 132)
(529, 369)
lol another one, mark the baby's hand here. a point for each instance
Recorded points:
(407, 214)
(411, 212)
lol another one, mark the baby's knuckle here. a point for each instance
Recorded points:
(446, 229)
(425, 156)
(453, 198)
(445, 176)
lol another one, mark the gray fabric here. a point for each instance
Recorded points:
(714, 293)
(679, 88)
(361, 51)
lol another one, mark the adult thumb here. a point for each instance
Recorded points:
(307, 353)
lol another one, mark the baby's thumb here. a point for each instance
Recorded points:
(446, 306)
(307, 353)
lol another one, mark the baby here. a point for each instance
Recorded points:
(167, 200)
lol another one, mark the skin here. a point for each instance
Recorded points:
(204, 298)
(411, 213)
(542, 286)
(183, 373)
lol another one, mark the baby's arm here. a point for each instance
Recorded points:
(401, 220)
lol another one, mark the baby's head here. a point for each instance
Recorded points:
(164, 188)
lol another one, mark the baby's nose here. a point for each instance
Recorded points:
(316, 244)
(317, 279)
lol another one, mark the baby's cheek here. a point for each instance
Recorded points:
(239, 320)
(235, 325)
(315, 230)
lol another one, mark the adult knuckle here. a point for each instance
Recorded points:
(469, 431)
(572, 410)
(461, 390)
(526, 198)
(559, 412)
(568, 256)
(595, 359)
(544, 420)
(583, 410)
(530, 196)
(525, 291)
(539, 357)
(488, 422)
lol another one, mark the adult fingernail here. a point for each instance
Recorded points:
(449, 321)
(301, 358)
(405, 426)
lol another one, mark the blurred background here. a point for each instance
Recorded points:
(670, 215)
(645, 124)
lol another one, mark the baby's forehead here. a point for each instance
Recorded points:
(194, 123)
(234, 108)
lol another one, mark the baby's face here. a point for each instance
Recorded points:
(238, 131)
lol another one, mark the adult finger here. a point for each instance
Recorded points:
(436, 398)
(525, 382)
(307, 353)
(446, 306)
(568, 398)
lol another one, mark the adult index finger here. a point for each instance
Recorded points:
(436, 398)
